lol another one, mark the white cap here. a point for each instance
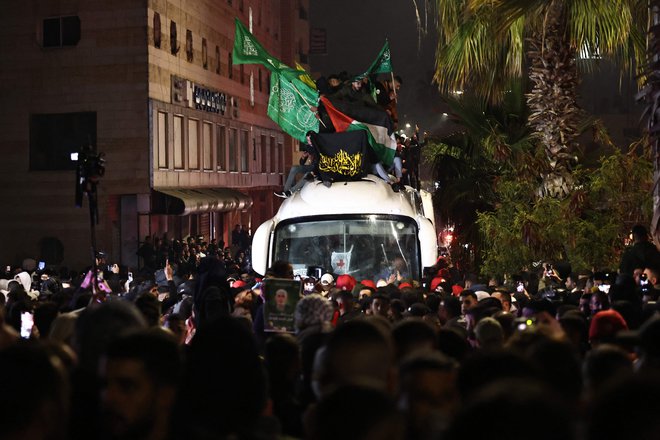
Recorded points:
(327, 279)
(481, 294)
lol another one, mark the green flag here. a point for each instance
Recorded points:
(304, 76)
(247, 50)
(289, 104)
(382, 63)
(290, 95)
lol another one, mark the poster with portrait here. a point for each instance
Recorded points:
(281, 297)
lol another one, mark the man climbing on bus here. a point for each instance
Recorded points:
(308, 165)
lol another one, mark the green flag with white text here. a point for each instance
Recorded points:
(290, 95)
(289, 104)
(382, 63)
(247, 50)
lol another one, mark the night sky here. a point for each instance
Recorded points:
(356, 31)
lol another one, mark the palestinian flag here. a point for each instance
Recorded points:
(379, 132)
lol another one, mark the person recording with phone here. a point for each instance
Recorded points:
(549, 278)
(649, 283)
(18, 311)
(99, 284)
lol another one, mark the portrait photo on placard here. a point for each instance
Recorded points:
(281, 297)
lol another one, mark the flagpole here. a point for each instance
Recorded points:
(308, 104)
(394, 87)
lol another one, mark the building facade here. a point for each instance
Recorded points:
(188, 147)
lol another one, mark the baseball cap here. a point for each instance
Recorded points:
(482, 294)
(345, 282)
(368, 283)
(238, 283)
(456, 290)
(435, 282)
(327, 279)
(606, 324)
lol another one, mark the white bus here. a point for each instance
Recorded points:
(357, 227)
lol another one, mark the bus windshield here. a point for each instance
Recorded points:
(365, 246)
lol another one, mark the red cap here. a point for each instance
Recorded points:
(456, 290)
(238, 283)
(435, 282)
(403, 285)
(345, 282)
(606, 324)
(368, 283)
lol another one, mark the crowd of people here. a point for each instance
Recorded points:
(181, 351)
(367, 99)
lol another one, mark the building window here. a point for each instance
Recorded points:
(178, 142)
(235, 107)
(174, 44)
(193, 144)
(205, 54)
(217, 57)
(242, 72)
(207, 139)
(280, 158)
(230, 66)
(157, 30)
(264, 154)
(53, 137)
(61, 31)
(162, 140)
(240, 5)
(260, 80)
(274, 166)
(233, 151)
(221, 143)
(189, 46)
(244, 152)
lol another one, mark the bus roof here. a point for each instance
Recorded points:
(370, 195)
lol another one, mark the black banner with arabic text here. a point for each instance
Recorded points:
(342, 156)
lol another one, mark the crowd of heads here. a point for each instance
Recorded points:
(548, 354)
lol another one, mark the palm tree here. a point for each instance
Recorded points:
(484, 44)
(490, 141)
(650, 95)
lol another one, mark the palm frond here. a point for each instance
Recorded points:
(478, 58)
(612, 29)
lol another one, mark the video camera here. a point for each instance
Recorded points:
(90, 169)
